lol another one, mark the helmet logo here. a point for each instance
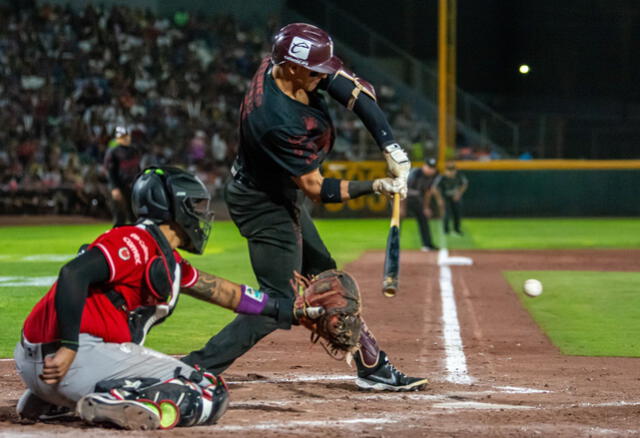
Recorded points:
(300, 48)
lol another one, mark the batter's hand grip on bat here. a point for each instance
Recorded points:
(392, 254)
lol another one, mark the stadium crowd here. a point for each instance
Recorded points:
(68, 78)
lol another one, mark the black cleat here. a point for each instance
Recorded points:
(33, 408)
(388, 378)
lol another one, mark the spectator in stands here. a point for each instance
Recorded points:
(197, 148)
(70, 76)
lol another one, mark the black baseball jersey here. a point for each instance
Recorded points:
(279, 136)
(418, 183)
(448, 186)
(123, 165)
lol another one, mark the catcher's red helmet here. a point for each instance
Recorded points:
(306, 45)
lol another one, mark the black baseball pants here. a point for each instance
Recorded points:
(415, 208)
(282, 239)
(452, 212)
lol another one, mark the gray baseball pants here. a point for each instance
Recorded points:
(96, 361)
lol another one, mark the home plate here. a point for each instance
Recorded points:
(445, 260)
(456, 261)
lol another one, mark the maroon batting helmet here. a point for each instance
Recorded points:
(306, 45)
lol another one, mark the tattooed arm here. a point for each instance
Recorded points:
(216, 290)
(243, 299)
(238, 297)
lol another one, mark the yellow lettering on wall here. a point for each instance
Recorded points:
(362, 170)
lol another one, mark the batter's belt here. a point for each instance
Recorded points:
(239, 177)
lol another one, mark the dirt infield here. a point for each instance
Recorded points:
(511, 380)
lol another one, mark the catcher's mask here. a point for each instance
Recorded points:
(169, 194)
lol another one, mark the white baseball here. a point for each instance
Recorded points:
(532, 287)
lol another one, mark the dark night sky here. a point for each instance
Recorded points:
(577, 49)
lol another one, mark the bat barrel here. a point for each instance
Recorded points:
(392, 254)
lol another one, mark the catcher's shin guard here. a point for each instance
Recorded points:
(181, 401)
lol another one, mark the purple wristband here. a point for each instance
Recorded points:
(251, 301)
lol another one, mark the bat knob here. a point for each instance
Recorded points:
(389, 287)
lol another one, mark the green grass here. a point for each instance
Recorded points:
(586, 313)
(194, 322)
(548, 234)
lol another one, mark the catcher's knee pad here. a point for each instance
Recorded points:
(190, 403)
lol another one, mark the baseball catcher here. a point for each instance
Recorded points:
(82, 344)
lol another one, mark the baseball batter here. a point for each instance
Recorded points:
(286, 133)
(81, 345)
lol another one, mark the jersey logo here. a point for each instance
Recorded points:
(132, 247)
(253, 294)
(124, 253)
(300, 48)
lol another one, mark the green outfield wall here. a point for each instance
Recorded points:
(555, 188)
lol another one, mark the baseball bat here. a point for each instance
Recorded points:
(392, 254)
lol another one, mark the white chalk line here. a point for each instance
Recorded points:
(296, 379)
(456, 361)
(300, 424)
(520, 390)
(30, 281)
(37, 257)
(22, 281)
(310, 378)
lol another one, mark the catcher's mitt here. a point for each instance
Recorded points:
(339, 324)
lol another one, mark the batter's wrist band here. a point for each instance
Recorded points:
(252, 302)
(271, 308)
(279, 309)
(330, 190)
(360, 188)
